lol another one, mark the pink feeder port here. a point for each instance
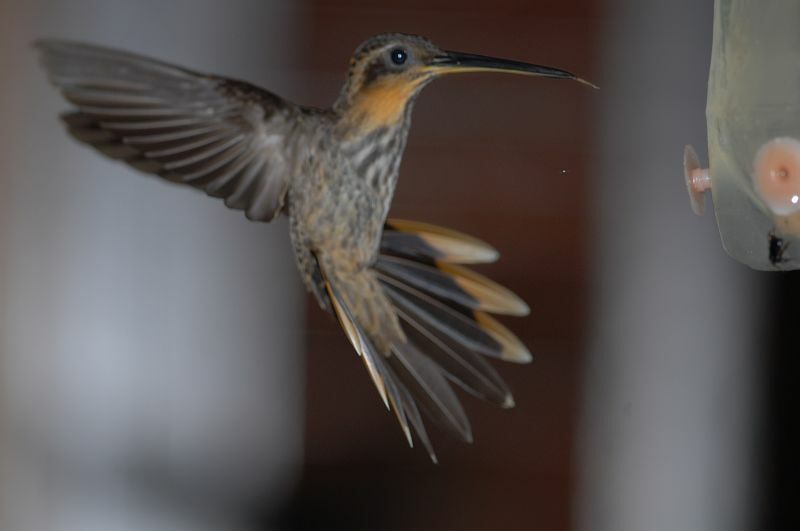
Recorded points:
(776, 175)
(697, 178)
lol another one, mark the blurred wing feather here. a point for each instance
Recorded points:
(228, 138)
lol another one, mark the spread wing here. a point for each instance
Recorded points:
(228, 138)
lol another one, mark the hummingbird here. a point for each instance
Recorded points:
(415, 314)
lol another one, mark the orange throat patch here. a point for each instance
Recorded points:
(383, 104)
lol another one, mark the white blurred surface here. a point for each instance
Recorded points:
(150, 338)
(671, 382)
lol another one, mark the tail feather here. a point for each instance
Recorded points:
(405, 408)
(467, 328)
(411, 413)
(445, 330)
(399, 407)
(453, 284)
(358, 339)
(427, 384)
(464, 367)
(413, 380)
(423, 240)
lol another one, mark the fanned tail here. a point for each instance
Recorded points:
(441, 311)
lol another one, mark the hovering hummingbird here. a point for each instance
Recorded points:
(416, 316)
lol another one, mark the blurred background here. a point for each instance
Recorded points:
(162, 368)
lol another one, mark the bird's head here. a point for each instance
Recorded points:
(387, 71)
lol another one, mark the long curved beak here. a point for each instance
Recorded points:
(457, 62)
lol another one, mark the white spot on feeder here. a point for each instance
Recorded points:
(776, 175)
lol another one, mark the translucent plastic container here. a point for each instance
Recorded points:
(753, 102)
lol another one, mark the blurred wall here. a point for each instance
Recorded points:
(668, 437)
(503, 158)
(150, 339)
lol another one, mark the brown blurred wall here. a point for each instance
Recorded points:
(504, 159)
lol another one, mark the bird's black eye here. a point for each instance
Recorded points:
(398, 56)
